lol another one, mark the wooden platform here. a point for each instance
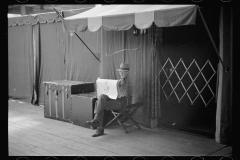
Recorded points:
(30, 134)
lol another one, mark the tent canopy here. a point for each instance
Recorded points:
(123, 17)
(48, 17)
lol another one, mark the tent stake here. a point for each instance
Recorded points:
(210, 36)
(77, 35)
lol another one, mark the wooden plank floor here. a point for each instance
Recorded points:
(30, 134)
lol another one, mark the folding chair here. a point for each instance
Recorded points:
(124, 111)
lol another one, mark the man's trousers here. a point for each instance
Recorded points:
(105, 103)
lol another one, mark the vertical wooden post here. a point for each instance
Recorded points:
(154, 122)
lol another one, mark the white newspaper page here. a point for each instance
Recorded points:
(107, 87)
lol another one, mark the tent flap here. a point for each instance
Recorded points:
(175, 17)
(33, 19)
(94, 24)
(144, 20)
(121, 22)
(49, 17)
(123, 17)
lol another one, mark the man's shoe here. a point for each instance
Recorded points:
(93, 123)
(93, 127)
(99, 132)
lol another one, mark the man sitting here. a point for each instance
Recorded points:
(105, 103)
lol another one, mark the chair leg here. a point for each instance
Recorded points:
(132, 120)
(122, 126)
(112, 120)
(116, 116)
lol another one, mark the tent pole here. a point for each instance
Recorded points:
(86, 46)
(210, 36)
(125, 41)
(77, 35)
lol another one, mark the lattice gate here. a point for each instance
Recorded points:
(172, 80)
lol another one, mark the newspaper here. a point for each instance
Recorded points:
(107, 87)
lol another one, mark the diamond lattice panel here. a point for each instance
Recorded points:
(173, 80)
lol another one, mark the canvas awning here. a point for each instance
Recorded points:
(123, 17)
(48, 17)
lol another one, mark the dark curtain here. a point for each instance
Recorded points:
(20, 63)
(223, 132)
(156, 65)
(50, 50)
(142, 53)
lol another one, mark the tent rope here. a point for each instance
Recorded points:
(122, 50)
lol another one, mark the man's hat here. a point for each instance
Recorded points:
(124, 67)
